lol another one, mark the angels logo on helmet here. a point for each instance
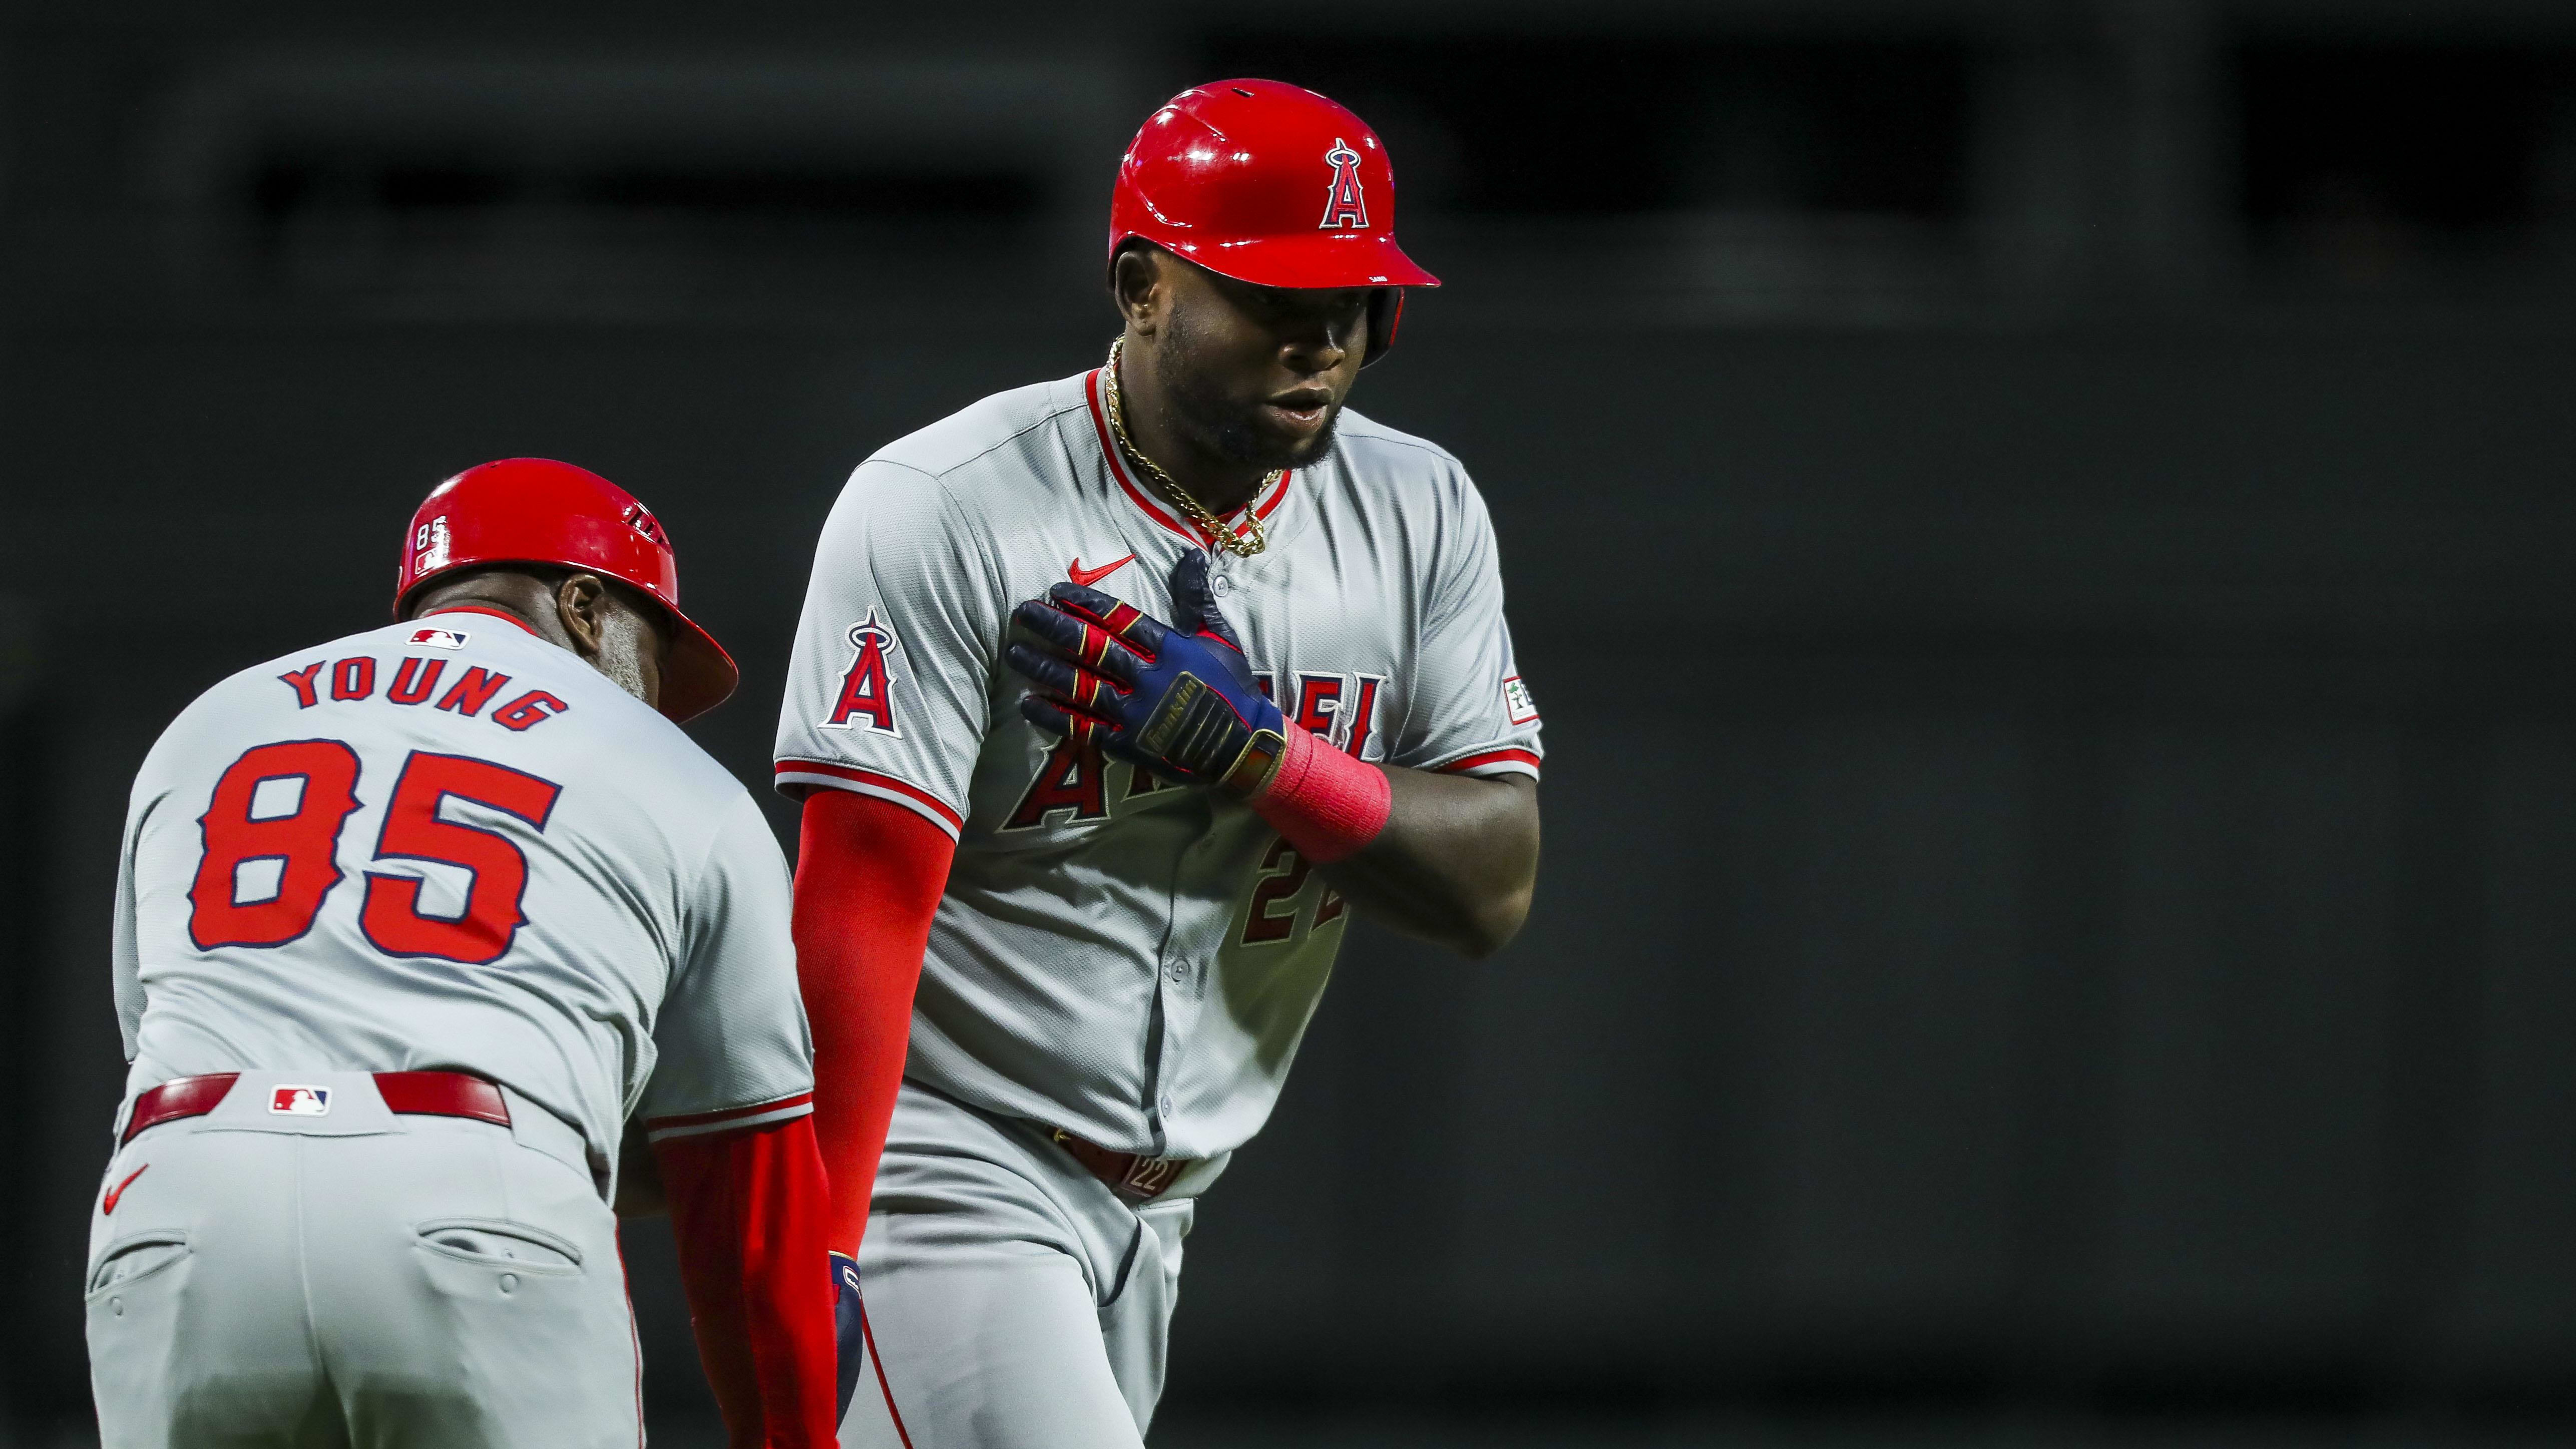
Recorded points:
(1347, 206)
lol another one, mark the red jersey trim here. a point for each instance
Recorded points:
(513, 620)
(699, 1124)
(869, 782)
(1143, 497)
(1505, 761)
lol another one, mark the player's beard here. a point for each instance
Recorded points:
(625, 640)
(623, 670)
(1221, 424)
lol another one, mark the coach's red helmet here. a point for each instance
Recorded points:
(1271, 184)
(536, 510)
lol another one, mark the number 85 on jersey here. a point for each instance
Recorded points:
(272, 838)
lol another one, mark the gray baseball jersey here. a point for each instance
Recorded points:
(1127, 959)
(448, 844)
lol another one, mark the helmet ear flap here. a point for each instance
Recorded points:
(1385, 310)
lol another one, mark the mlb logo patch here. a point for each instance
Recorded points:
(1516, 702)
(437, 638)
(300, 1101)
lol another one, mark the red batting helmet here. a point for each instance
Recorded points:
(1271, 184)
(536, 510)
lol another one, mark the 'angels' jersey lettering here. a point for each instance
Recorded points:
(1127, 959)
(447, 844)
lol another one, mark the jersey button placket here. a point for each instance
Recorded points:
(1177, 979)
(1174, 988)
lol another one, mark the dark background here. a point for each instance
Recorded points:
(2041, 531)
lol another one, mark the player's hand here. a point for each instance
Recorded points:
(1177, 698)
(849, 1329)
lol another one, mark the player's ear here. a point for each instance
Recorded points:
(1136, 281)
(581, 606)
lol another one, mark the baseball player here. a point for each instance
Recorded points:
(1113, 698)
(408, 925)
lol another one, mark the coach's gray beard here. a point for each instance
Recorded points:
(621, 652)
(624, 671)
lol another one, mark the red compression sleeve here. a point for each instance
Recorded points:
(868, 877)
(1324, 803)
(748, 1209)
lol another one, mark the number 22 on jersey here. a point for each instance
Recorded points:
(248, 824)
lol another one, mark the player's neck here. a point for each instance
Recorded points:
(522, 599)
(1219, 483)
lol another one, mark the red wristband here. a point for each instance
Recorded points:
(1323, 802)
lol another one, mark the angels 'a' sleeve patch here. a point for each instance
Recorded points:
(866, 697)
(1516, 702)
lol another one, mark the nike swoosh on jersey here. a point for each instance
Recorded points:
(108, 1204)
(1087, 577)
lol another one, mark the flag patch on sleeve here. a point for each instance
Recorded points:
(1516, 702)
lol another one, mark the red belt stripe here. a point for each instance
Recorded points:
(414, 1094)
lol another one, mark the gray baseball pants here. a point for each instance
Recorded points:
(357, 1280)
(1013, 1300)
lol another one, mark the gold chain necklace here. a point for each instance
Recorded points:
(1226, 538)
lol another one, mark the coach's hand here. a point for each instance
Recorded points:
(1175, 698)
(849, 1330)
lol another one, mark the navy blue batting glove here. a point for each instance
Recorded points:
(1178, 699)
(849, 1329)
